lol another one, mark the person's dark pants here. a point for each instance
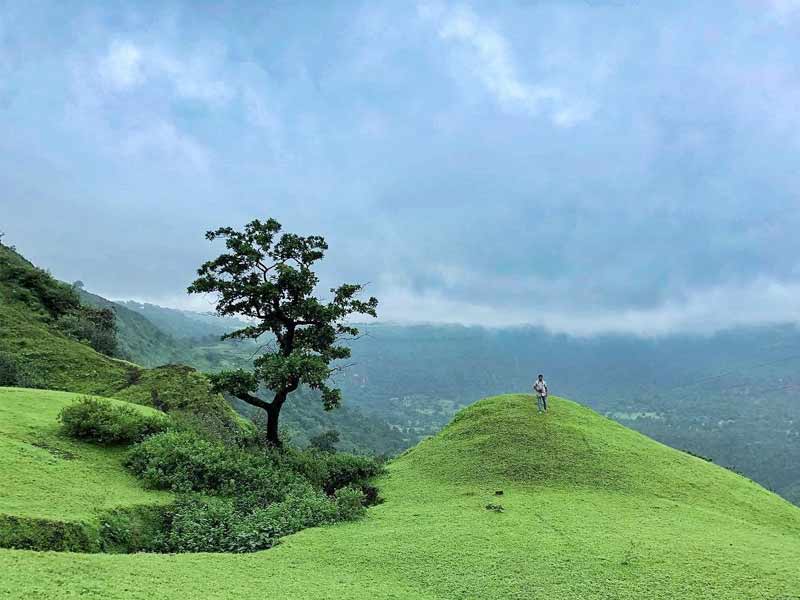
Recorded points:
(541, 403)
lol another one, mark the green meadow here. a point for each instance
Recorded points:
(503, 503)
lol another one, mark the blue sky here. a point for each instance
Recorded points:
(585, 165)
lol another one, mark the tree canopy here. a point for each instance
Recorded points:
(267, 277)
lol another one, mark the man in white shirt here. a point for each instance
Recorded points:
(540, 387)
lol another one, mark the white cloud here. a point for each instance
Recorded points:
(127, 65)
(163, 139)
(761, 302)
(121, 67)
(494, 65)
(783, 9)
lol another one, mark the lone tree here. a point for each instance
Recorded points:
(269, 279)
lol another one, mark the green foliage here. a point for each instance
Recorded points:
(36, 287)
(25, 533)
(199, 524)
(250, 497)
(100, 421)
(57, 303)
(138, 339)
(9, 370)
(93, 326)
(271, 280)
(325, 441)
(182, 461)
(132, 529)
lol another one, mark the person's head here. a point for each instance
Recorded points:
(541, 376)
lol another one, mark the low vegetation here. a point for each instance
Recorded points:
(590, 509)
(104, 422)
(230, 494)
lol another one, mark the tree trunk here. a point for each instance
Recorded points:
(273, 410)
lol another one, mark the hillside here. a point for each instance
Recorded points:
(590, 509)
(49, 359)
(32, 304)
(139, 340)
(55, 487)
(184, 324)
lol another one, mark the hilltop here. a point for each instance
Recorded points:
(589, 509)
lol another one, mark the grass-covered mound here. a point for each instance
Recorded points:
(588, 509)
(54, 489)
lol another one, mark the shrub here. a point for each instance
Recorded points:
(201, 524)
(103, 422)
(132, 529)
(93, 326)
(39, 286)
(183, 461)
(325, 441)
(235, 499)
(342, 470)
(350, 503)
(15, 374)
(9, 370)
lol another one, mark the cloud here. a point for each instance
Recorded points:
(590, 168)
(165, 141)
(492, 62)
(121, 67)
(704, 311)
(127, 65)
(783, 10)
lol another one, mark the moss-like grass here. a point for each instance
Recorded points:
(53, 485)
(590, 509)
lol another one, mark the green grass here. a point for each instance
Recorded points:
(591, 510)
(50, 477)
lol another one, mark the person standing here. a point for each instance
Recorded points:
(540, 387)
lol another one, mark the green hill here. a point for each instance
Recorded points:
(589, 509)
(33, 306)
(54, 486)
(139, 339)
(184, 324)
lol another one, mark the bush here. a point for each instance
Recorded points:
(103, 422)
(325, 441)
(9, 370)
(331, 472)
(202, 524)
(235, 499)
(15, 374)
(39, 286)
(93, 326)
(350, 503)
(182, 461)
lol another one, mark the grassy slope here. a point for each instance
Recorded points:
(139, 340)
(60, 363)
(592, 510)
(49, 476)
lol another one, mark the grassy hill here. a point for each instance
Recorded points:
(31, 305)
(590, 509)
(53, 485)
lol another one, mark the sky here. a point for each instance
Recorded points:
(588, 166)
